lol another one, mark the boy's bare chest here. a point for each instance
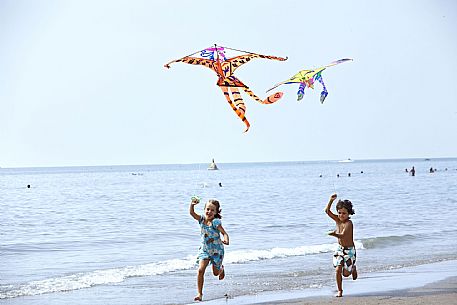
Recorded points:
(341, 226)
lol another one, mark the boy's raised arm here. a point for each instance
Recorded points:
(329, 206)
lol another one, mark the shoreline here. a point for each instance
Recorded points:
(443, 292)
(410, 285)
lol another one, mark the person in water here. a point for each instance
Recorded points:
(344, 257)
(212, 246)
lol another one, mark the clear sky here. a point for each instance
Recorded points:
(83, 83)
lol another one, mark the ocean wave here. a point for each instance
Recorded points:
(392, 240)
(93, 278)
(386, 241)
(117, 275)
(243, 256)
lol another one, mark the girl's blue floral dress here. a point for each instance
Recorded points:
(211, 246)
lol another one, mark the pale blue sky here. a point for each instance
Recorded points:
(83, 83)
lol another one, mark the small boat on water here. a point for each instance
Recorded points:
(213, 166)
(348, 160)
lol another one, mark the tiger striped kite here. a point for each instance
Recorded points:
(215, 59)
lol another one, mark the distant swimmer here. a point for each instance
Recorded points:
(349, 174)
(220, 184)
(412, 171)
(28, 186)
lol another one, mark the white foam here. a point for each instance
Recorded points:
(118, 275)
(97, 277)
(243, 256)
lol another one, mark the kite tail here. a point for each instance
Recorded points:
(324, 92)
(301, 91)
(238, 106)
(269, 100)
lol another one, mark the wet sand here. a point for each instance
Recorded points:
(439, 293)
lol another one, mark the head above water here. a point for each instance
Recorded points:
(346, 204)
(217, 207)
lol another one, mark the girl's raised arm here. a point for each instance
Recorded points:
(328, 208)
(191, 209)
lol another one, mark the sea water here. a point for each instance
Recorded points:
(123, 234)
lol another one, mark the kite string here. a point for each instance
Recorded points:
(331, 175)
(192, 54)
(200, 184)
(215, 46)
(238, 50)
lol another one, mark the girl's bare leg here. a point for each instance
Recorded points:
(219, 272)
(222, 274)
(201, 278)
(339, 280)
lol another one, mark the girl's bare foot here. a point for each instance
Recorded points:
(354, 273)
(339, 294)
(221, 274)
(198, 298)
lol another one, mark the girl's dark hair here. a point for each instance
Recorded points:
(345, 204)
(218, 208)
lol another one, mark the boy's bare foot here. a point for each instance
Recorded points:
(339, 294)
(354, 273)
(198, 298)
(221, 274)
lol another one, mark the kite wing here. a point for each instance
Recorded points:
(296, 79)
(192, 61)
(238, 61)
(339, 61)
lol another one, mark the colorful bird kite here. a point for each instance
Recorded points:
(215, 59)
(306, 78)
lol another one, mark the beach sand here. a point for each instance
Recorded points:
(439, 293)
(433, 283)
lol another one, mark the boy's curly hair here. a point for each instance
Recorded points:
(347, 204)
